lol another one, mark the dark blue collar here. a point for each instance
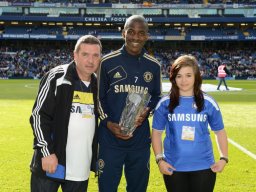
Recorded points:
(124, 51)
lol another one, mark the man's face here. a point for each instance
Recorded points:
(135, 37)
(87, 60)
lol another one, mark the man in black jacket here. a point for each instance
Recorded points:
(64, 122)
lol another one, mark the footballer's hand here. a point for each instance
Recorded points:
(116, 130)
(141, 117)
(49, 163)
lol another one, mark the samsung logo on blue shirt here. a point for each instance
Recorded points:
(187, 117)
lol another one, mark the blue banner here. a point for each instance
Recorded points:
(122, 19)
(118, 36)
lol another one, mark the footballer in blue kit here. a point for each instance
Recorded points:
(186, 158)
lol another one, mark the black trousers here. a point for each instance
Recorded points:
(39, 184)
(222, 79)
(194, 181)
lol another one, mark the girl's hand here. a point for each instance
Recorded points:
(218, 166)
(165, 168)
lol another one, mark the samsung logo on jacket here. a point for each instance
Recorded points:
(187, 117)
(127, 88)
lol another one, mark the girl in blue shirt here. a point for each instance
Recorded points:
(187, 163)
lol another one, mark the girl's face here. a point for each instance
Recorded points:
(185, 80)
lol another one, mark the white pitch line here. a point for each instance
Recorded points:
(242, 149)
(31, 86)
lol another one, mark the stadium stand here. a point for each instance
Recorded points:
(20, 62)
(37, 35)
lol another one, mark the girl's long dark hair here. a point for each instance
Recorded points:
(186, 61)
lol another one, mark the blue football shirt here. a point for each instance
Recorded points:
(187, 145)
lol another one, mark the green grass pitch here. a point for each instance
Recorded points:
(238, 109)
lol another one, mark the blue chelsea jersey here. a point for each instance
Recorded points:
(120, 72)
(187, 145)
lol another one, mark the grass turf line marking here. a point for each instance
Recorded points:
(31, 85)
(242, 149)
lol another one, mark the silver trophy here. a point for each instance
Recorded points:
(135, 105)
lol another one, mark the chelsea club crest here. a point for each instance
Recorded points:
(148, 76)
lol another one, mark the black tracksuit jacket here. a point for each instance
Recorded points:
(50, 116)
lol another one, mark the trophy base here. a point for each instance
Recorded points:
(127, 131)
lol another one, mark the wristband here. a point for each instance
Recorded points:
(159, 157)
(224, 158)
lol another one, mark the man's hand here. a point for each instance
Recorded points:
(49, 163)
(116, 130)
(142, 116)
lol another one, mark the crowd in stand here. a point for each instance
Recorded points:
(33, 63)
(240, 62)
(30, 63)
